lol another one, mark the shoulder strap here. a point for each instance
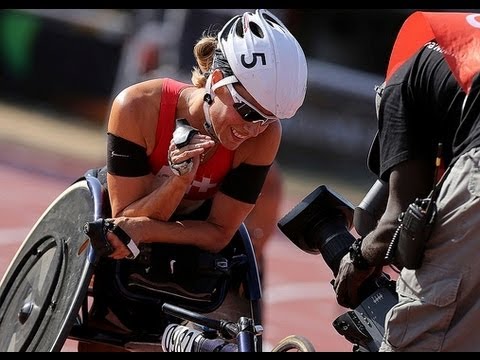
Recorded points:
(166, 121)
(439, 172)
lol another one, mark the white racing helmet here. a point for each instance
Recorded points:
(267, 60)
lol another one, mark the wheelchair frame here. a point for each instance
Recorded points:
(46, 293)
(81, 331)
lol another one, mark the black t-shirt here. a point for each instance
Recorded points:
(420, 107)
(467, 136)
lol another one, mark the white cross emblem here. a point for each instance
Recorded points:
(203, 185)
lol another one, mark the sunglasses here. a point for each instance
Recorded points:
(247, 111)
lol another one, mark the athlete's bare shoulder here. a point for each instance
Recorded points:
(143, 92)
(134, 111)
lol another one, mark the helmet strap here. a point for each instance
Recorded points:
(208, 101)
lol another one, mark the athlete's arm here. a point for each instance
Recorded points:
(226, 215)
(133, 118)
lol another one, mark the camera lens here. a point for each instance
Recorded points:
(332, 238)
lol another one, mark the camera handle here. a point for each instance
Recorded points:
(371, 208)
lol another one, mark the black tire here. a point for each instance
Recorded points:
(46, 283)
(294, 343)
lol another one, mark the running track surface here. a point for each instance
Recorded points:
(298, 296)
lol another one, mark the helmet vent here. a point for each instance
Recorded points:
(228, 27)
(270, 19)
(273, 23)
(239, 29)
(256, 30)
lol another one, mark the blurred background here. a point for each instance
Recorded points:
(61, 68)
(76, 60)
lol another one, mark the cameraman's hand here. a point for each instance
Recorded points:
(348, 282)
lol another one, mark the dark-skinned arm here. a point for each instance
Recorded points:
(408, 180)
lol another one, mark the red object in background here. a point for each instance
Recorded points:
(457, 34)
(149, 58)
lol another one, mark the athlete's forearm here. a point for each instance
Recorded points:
(161, 203)
(202, 234)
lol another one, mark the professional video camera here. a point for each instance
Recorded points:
(321, 224)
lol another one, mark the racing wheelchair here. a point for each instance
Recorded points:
(47, 296)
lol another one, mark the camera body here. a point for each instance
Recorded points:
(321, 224)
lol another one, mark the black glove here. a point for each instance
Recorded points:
(97, 232)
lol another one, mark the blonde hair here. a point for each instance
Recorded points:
(203, 51)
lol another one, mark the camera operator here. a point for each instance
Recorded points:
(431, 96)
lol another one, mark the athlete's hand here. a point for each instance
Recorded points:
(186, 159)
(120, 251)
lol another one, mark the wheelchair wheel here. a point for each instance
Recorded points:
(294, 343)
(47, 281)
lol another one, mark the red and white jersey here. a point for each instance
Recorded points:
(209, 174)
